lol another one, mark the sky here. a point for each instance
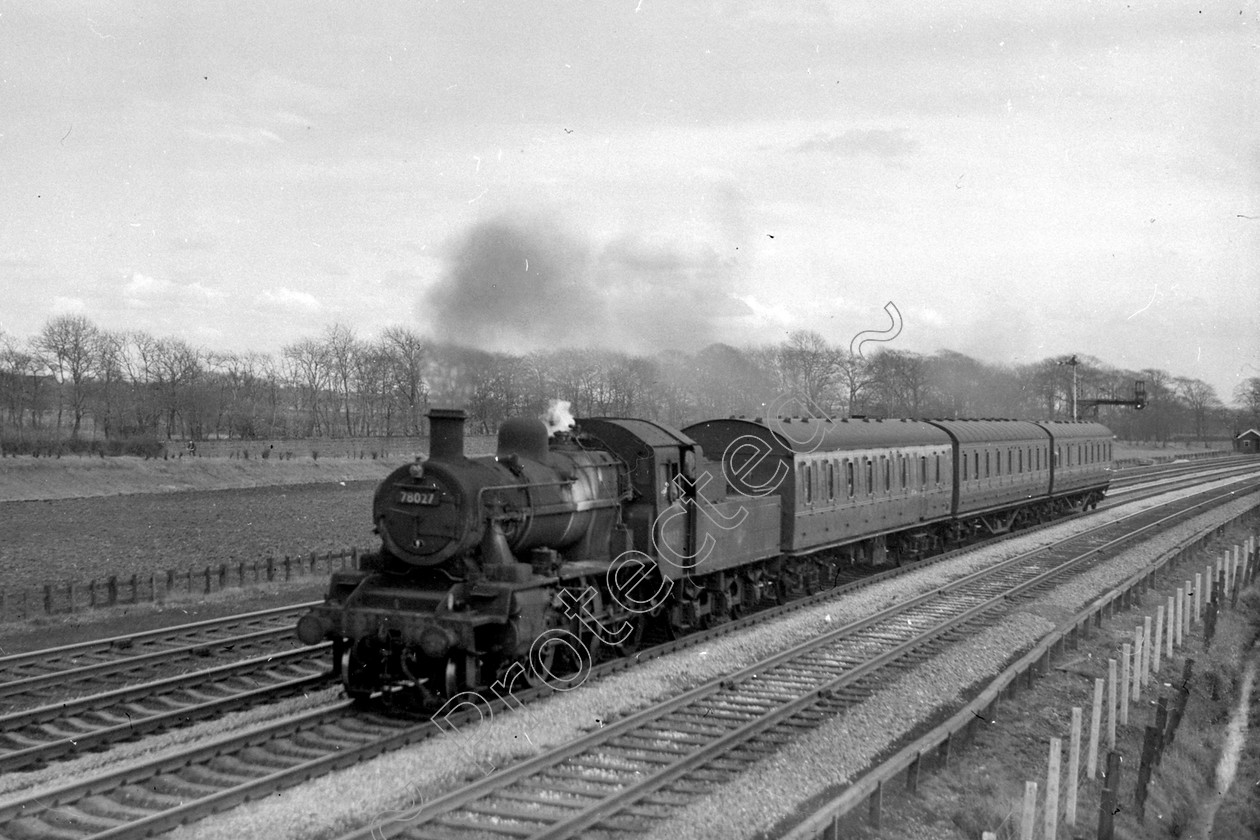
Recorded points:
(1020, 180)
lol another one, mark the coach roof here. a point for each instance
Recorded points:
(652, 434)
(806, 434)
(991, 431)
(1063, 429)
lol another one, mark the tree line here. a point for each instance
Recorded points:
(75, 380)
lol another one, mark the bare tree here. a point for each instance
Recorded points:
(66, 345)
(407, 352)
(904, 381)
(1201, 399)
(110, 351)
(342, 349)
(311, 373)
(809, 367)
(1247, 395)
(855, 378)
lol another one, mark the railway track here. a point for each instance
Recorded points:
(36, 736)
(52, 675)
(1179, 475)
(636, 772)
(726, 723)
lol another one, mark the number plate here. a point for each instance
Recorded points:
(417, 497)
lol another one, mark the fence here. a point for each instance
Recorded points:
(1230, 574)
(1172, 456)
(360, 448)
(77, 596)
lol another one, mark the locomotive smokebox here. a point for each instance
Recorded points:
(446, 432)
(524, 437)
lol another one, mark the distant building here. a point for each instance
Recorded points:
(1248, 442)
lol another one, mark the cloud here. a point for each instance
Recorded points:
(145, 292)
(519, 282)
(855, 142)
(288, 300)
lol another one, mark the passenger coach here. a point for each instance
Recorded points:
(867, 488)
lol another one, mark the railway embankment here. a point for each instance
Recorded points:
(393, 783)
(981, 786)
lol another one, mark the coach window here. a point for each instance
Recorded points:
(938, 470)
(831, 480)
(986, 465)
(1021, 460)
(809, 484)
(923, 471)
(976, 466)
(870, 475)
(848, 475)
(1058, 455)
(903, 459)
(887, 473)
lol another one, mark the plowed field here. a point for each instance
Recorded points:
(81, 539)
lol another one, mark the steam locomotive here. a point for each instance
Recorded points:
(529, 562)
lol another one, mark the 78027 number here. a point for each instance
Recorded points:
(417, 497)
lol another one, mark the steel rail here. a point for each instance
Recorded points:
(344, 754)
(128, 641)
(624, 797)
(110, 668)
(63, 720)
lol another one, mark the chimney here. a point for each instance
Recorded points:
(446, 432)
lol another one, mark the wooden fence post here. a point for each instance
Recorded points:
(1198, 593)
(1209, 623)
(1095, 724)
(1111, 704)
(1186, 606)
(1137, 664)
(1149, 743)
(1161, 725)
(912, 774)
(111, 590)
(1050, 822)
(1074, 766)
(1146, 648)
(1027, 820)
(1168, 636)
(1126, 656)
(1159, 636)
(1175, 636)
(1107, 802)
(1233, 592)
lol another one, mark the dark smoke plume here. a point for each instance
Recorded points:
(519, 283)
